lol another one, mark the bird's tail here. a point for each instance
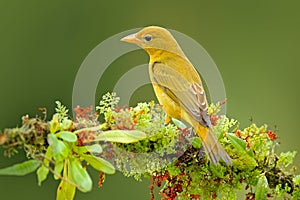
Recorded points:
(213, 148)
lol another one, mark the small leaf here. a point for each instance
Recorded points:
(179, 123)
(21, 169)
(95, 148)
(51, 138)
(261, 188)
(42, 174)
(67, 136)
(59, 149)
(43, 171)
(245, 155)
(58, 169)
(65, 190)
(80, 176)
(48, 156)
(239, 144)
(99, 164)
(121, 136)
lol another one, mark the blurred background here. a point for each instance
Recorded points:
(255, 45)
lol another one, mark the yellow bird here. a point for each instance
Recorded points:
(178, 86)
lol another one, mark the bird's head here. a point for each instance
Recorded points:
(154, 38)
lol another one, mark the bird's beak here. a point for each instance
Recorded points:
(131, 39)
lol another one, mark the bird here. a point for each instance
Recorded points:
(178, 86)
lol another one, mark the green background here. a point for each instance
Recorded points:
(255, 45)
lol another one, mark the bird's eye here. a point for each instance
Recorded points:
(148, 38)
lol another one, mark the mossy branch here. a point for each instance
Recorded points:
(138, 143)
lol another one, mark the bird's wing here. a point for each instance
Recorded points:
(189, 95)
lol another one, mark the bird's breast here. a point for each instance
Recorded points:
(169, 105)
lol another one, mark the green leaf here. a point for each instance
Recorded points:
(43, 171)
(65, 190)
(59, 149)
(48, 156)
(99, 164)
(80, 176)
(239, 144)
(121, 136)
(58, 169)
(42, 174)
(179, 123)
(21, 169)
(67, 136)
(51, 138)
(261, 188)
(95, 148)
